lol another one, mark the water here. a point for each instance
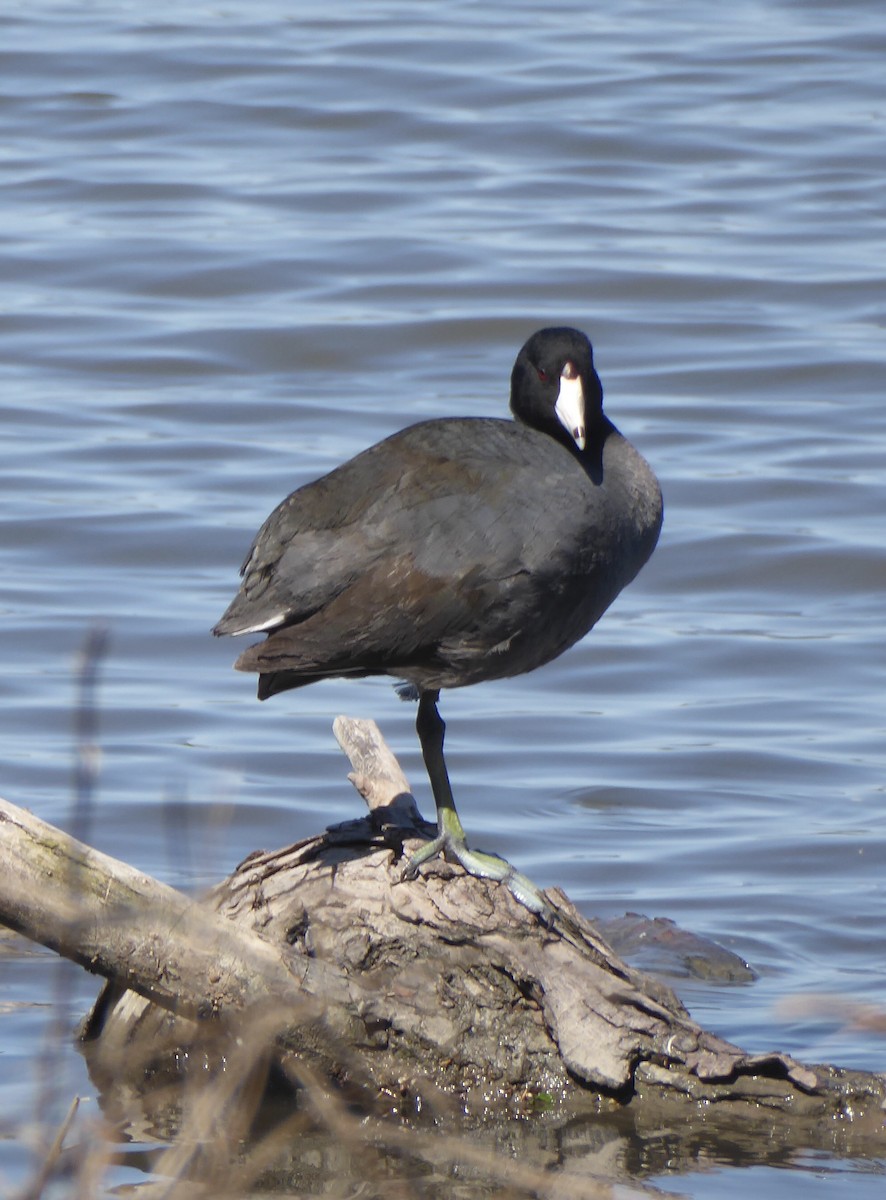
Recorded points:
(239, 245)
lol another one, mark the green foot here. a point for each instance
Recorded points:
(482, 866)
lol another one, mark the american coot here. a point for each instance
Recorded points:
(458, 550)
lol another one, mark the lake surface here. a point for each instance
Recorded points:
(238, 245)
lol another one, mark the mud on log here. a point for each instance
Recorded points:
(444, 985)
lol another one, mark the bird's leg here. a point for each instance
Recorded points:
(431, 730)
(450, 837)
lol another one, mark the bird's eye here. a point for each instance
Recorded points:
(542, 374)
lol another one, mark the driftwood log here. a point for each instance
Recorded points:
(405, 993)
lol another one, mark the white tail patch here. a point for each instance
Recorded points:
(271, 623)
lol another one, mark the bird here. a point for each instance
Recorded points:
(458, 550)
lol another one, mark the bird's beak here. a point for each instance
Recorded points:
(570, 406)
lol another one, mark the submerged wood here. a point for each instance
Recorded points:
(442, 985)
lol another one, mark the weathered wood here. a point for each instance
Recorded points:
(444, 985)
(126, 926)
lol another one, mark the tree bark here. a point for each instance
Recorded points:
(444, 985)
(128, 927)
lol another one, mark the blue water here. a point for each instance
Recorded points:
(239, 245)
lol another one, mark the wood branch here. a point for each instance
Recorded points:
(444, 985)
(128, 927)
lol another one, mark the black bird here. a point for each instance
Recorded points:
(458, 550)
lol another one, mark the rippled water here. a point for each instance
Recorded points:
(239, 245)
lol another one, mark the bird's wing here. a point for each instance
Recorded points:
(406, 527)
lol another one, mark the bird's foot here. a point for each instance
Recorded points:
(482, 866)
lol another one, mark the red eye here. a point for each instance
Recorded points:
(542, 374)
